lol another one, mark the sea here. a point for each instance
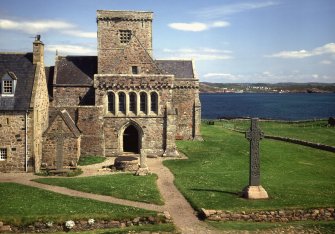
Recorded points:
(278, 106)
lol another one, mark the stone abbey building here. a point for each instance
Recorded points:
(119, 102)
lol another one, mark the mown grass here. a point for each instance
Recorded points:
(22, 204)
(90, 159)
(125, 186)
(313, 131)
(291, 227)
(217, 170)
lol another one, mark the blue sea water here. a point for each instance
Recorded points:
(288, 106)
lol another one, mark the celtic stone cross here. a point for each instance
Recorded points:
(254, 135)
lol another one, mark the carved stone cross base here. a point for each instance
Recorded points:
(255, 192)
(142, 171)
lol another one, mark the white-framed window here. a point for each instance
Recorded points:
(125, 36)
(7, 86)
(3, 153)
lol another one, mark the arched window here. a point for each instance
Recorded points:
(154, 102)
(143, 102)
(111, 102)
(132, 102)
(122, 102)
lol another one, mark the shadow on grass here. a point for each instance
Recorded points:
(238, 194)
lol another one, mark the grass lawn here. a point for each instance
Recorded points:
(218, 168)
(292, 227)
(22, 204)
(124, 185)
(89, 160)
(313, 131)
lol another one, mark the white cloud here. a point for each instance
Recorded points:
(198, 27)
(41, 26)
(34, 26)
(326, 62)
(198, 54)
(72, 49)
(299, 54)
(219, 11)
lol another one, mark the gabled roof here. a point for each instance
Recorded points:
(178, 68)
(75, 70)
(20, 65)
(67, 120)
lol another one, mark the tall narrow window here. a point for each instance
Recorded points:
(132, 102)
(143, 102)
(111, 102)
(7, 86)
(154, 102)
(3, 153)
(125, 36)
(122, 102)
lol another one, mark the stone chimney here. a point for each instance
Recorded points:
(38, 50)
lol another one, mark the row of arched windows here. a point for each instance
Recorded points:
(133, 102)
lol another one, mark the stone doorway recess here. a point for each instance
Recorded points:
(131, 141)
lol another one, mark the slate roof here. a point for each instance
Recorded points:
(178, 68)
(22, 66)
(75, 70)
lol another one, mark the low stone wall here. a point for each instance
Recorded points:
(84, 225)
(326, 214)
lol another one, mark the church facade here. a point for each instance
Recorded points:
(120, 102)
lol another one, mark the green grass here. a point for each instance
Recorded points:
(125, 186)
(313, 131)
(291, 227)
(217, 170)
(167, 227)
(22, 204)
(89, 160)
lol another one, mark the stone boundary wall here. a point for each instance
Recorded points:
(295, 141)
(84, 225)
(325, 214)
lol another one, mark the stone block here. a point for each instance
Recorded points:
(255, 192)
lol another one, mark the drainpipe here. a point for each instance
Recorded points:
(26, 145)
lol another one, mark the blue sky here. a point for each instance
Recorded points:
(230, 40)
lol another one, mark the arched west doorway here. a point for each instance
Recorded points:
(131, 140)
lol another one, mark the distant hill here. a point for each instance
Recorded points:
(290, 87)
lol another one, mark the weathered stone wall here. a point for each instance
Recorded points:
(327, 214)
(185, 93)
(151, 125)
(72, 96)
(110, 48)
(59, 137)
(40, 105)
(12, 137)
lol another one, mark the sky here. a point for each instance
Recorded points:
(231, 41)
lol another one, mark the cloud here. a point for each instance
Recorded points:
(41, 26)
(198, 27)
(198, 54)
(72, 49)
(299, 54)
(223, 10)
(326, 62)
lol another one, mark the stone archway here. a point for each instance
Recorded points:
(131, 140)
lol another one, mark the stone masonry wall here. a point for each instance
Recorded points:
(326, 214)
(72, 96)
(184, 96)
(12, 137)
(109, 46)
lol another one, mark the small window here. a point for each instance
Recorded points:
(125, 36)
(111, 102)
(134, 69)
(3, 153)
(154, 102)
(132, 102)
(122, 102)
(7, 86)
(143, 102)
